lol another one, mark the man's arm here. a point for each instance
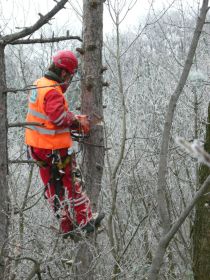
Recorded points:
(55, 110)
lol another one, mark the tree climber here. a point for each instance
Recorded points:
(50, 144)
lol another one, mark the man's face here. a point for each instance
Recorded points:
(66, 78)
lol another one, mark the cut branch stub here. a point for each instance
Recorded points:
(94, 3)
(103, 69)
(91, 47)
(98, 166)
(105, 84)
(89, 82)
(80, 50)
(41, 16)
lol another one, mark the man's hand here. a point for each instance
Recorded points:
(84, 124)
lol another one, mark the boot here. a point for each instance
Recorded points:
(91, 226)
(93, 223)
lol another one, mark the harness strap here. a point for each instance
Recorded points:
(41, 163)
(58, 164)
(57, 182)
(64, 162)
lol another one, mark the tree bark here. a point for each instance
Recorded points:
(92, 96)
(91, 105)
(201, 229)
(3, 159)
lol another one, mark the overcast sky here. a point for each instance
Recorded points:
(20, 13)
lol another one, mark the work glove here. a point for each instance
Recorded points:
(84, 124)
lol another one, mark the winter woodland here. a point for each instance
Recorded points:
(144, 64)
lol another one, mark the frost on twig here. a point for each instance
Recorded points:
(195, 149)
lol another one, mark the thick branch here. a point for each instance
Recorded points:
(164, 241)
(8, 39)
(45, 40)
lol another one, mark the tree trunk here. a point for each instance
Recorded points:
(3, 159)
(162, 171)
(201, 229)
(92, 96)
(4, 198)
(93, 161)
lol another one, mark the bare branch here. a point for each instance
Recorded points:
(8, 39)
(45, 40)
(165, 239)
(21, 161)
(30, 87)
(132, 237)
(20, 124)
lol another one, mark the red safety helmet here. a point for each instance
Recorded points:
(66, 60)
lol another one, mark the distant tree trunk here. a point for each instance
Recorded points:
(164, 150)
(92, 105)
(3, 159)
(4, 198)
(201, 229)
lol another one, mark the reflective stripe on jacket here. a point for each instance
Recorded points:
(47, 136)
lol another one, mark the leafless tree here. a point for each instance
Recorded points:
(5, 40)
(162, 190)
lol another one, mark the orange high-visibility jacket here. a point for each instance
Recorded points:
(48, 136)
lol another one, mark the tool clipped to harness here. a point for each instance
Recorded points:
(56, 177)
(56, 158)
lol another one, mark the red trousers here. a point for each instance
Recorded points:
(74, 209)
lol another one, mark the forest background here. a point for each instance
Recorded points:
(145, 49)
